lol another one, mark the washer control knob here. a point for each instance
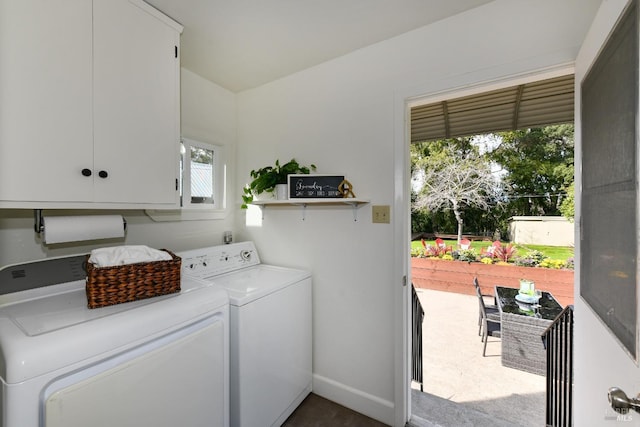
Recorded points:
(245, 255)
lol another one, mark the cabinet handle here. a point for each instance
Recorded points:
(103, 174)
(86, 172)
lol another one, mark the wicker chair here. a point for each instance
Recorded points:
(491, 309)
(490, 327)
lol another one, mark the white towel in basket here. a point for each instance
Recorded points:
(122, 255)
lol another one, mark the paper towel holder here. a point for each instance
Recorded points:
(38, 224)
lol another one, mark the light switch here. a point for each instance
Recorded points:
(381, 214)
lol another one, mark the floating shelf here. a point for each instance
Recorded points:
(298, 202)
(355, 203)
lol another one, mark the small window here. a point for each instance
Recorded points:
(202, 172)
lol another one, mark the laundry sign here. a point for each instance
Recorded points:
(315, 186)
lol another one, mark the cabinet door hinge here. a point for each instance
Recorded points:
(175, 51)
(176, 184)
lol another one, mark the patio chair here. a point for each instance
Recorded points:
(490, 326)
(491, 309)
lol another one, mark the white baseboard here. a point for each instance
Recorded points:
(365, 403)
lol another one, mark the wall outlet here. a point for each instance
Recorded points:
(381, 214)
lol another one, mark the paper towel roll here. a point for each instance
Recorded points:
(59, 229)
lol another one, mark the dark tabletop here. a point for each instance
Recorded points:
(547, 308)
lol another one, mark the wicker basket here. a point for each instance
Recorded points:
(124, 283)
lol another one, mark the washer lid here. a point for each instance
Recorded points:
(49, 328)
(249, 284)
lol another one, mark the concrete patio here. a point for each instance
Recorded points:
(484, 392)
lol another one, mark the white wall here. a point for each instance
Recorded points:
(346, 116)
(208, 114)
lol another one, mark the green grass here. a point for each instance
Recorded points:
(553, 252)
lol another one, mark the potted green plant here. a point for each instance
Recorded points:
(265, 179)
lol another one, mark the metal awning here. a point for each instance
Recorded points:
(540, 103)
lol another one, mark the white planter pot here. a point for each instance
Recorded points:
(265, 195)
(282, 191)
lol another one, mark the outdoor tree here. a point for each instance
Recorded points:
(453, 176)
(567, 207)
(538, 165)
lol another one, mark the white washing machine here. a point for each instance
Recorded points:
(270, 321)
(162, 361)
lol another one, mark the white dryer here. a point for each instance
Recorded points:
(271, 333)
(162, 361)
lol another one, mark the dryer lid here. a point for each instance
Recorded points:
(250, 284)
(48, 328)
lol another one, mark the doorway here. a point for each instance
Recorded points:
(603, 361)
(504, 106)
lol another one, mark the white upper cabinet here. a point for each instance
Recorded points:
(89, 104)
(45, 100)
(135, 104)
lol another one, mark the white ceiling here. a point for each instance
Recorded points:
(241, 44)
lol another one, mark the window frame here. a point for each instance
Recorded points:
(219, 177)
(196, 211)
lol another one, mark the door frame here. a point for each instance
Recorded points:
(452, 87)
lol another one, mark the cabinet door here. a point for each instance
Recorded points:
(136, 116)
(45, 100)
(179, 383)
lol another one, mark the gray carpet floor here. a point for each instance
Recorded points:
(316, 411)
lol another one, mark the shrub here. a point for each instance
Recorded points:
(504, 252)
(526, 262)
(552, 263)
(436, 251)
(497, 253)
(417, 252)
(531, 259)
(537, 256)
(469, 255)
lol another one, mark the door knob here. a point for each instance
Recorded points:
(621, 403)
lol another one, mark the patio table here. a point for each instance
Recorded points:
(522, 326)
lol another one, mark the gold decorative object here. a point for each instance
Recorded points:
(346, 189)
